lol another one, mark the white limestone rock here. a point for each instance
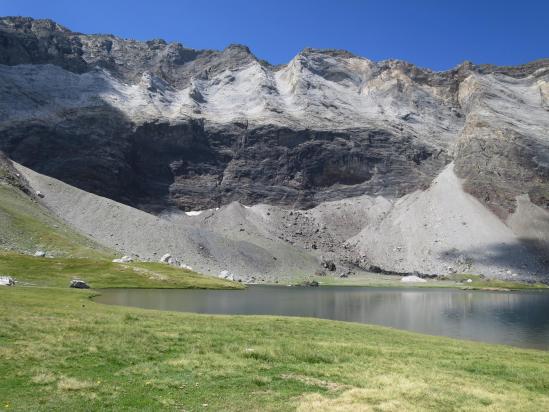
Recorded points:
(412, 279)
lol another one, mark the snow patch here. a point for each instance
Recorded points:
(194, 212)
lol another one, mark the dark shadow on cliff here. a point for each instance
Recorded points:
(530, 255)
(96, 149)
(100, 150)
(193, 165)
(88, 149)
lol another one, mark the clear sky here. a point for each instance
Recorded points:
(435, 34)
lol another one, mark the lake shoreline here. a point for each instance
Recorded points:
(80, 352)
(506, 317)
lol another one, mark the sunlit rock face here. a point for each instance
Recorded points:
(157, 125)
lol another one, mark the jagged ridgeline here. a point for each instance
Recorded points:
(160, 127)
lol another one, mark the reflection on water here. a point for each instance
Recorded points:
(514, 318)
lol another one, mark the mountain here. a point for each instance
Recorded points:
(413, 170)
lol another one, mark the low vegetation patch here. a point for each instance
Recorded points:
(458, 280)
(61, 351)
(496, 284)
(103, 273)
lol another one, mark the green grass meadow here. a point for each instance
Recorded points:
(61, 351)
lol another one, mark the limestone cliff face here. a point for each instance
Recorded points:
(157, 125)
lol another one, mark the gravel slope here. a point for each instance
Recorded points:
(144, 235)
(437, 231)
(443, 229)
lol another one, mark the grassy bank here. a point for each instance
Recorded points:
(451, 281)
(26, 226)
(61, 351)
(103, 273)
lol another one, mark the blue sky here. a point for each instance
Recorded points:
(435, 34)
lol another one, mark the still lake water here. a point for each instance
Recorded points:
(512, 318)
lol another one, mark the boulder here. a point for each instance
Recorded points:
(123, 259)
(40, 253)
(329, 264)
(167, 258)
(225, 274)
(310, 283)
(7, 281)
(412, 279)
(78, 284)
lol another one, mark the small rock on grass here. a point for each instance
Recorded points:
(169, 259)
(123, 259)
(79, 284)
(225, 274)
(165, 258)
(7, 281)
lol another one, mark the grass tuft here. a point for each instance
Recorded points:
(44, 378)
(73, 384)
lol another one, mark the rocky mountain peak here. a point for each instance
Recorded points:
(225, 126)
(238, 49)
(30, 25)
(327, 52)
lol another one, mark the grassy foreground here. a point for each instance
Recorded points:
(61, 351)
